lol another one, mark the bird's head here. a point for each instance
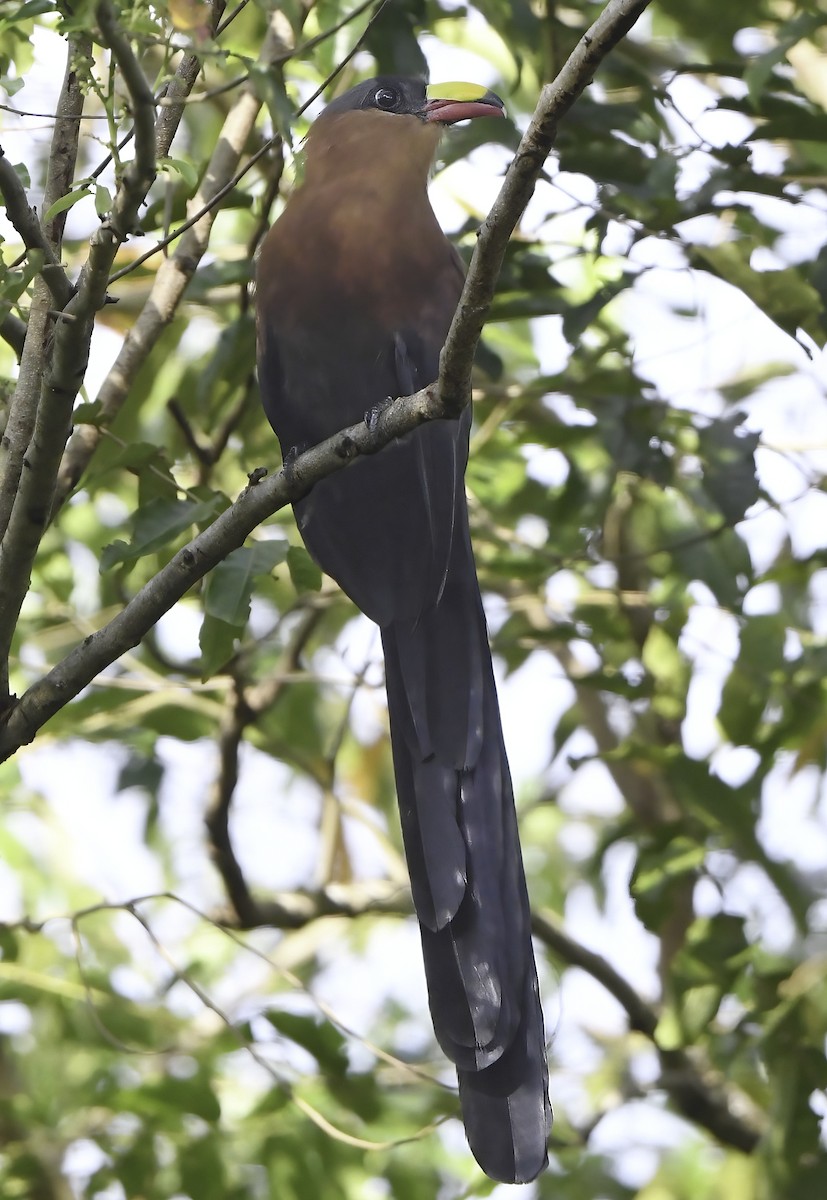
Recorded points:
(393, 123)
(435, 103)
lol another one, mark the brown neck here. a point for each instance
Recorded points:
(358, 235)
(371, 152)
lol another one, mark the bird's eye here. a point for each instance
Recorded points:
(386, 98)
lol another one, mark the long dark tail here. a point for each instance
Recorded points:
(463, 851)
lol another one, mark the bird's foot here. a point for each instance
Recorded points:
(295, 452)
(373, 414)
(289, 460)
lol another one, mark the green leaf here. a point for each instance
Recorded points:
(757, 74)
(785, 296)
(21, 170)
(269, 87)
(230, 585)
(33, 8)
(218, 641)
(180, 166)
(9, 945)
(80, 190)
(140, 771)
(156, 524)
(319, 1038)
(304, 572)
(103, 200)
(202, 1170)
(665, 863)
(88, 414)
(746, 692)
(728, 451)
(577, 318)
(175, 1096)
(662, 658)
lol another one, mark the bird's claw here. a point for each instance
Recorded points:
(289, 460)
(373, 414)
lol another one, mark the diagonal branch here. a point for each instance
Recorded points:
(173, 101)
(27, 223)
(258, 502)
(695, 1089)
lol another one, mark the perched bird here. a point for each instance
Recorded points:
(356, 287)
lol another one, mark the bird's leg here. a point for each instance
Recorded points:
(407, 378)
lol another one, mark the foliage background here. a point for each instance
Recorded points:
(649, 515)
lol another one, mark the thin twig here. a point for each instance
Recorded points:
(230, 17)
(244, 706)
(696, 1090)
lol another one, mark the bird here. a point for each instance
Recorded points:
(356, 287)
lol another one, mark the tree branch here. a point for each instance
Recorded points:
(63, 153)
(295, 910)
(52, 289)
(244, 706)
(62, 370)
(46, 240)
(23, 412)
(13, 332)
(27, 223)
(549, 930)
(173, 102)
(227, 533)
(696, 1090)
